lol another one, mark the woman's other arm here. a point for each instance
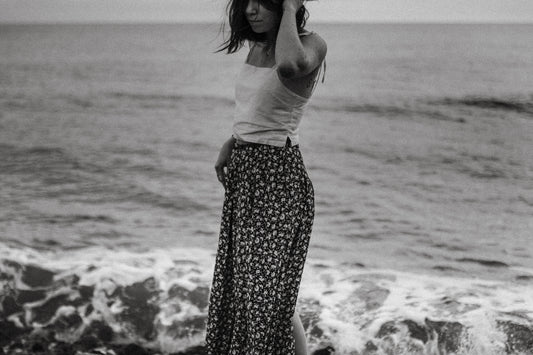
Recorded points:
(223, 160)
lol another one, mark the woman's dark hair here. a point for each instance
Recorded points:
(240, 28)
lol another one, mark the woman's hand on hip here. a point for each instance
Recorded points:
(223, 160)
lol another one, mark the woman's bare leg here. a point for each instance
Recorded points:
(299, 335)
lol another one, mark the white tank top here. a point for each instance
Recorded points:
(266, 111)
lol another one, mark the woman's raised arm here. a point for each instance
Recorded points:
(296, 57)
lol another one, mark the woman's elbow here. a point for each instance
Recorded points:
(291, 69)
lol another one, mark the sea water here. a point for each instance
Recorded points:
(418, 144)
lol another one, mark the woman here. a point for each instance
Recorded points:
(269, 199)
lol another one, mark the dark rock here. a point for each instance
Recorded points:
(86, 342)
(35, 276)
(9, 332)
(416, 330)
(72, 321)
(140, 301)
(10, 306)
(12, 264)
(141, 291)
(449, 334)
(370, 346)
(86, 292)
(326, 351)
(38, 347)
(199, 297)
(386, 329)
(61, 348)
(519, 337)
(27, 296)
(6, 277)
(134, 349)
(316, 331)
(46, 311)
(178, 291)
(194, 350)
(101, 330)
(17, 344)
(43, 335)
(89, 309)
(188, 327)
(68, 281)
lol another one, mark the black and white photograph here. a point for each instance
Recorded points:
(266, 177)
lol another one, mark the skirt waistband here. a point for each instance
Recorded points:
(241, 143)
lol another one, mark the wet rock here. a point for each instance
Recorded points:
(370, 346)
(416, 330)
(448, 333)
(198, 296)
(86, 342)
(10, 306)
(43, 313)
(86, 292)
(62, 348)
(89, 309)
(101, 330)
(316, 332)
(326, 351)
(12, 264)
(194, 350)
(9, 332)
(134, 349)
(140, 301)
(386, 329)
(188, 327)
(35, 276)
(28, 296)
(38, 347)
(42, 334)
(6, 277)
(68, 322)
(67, 281)
(519, 337)
(142, 291)
(16, 346)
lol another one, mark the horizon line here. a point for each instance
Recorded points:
(320, 22)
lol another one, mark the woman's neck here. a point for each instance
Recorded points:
(270, 43)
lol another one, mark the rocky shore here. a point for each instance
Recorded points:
(46, 313)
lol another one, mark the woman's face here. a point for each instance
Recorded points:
(262, 16)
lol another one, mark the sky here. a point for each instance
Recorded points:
(52, 11)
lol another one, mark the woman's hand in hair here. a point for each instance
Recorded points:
(292, 4)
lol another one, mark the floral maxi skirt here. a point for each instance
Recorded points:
(266, 225)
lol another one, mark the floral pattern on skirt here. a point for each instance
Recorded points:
(266, 225)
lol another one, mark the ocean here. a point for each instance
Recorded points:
(419, 144)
